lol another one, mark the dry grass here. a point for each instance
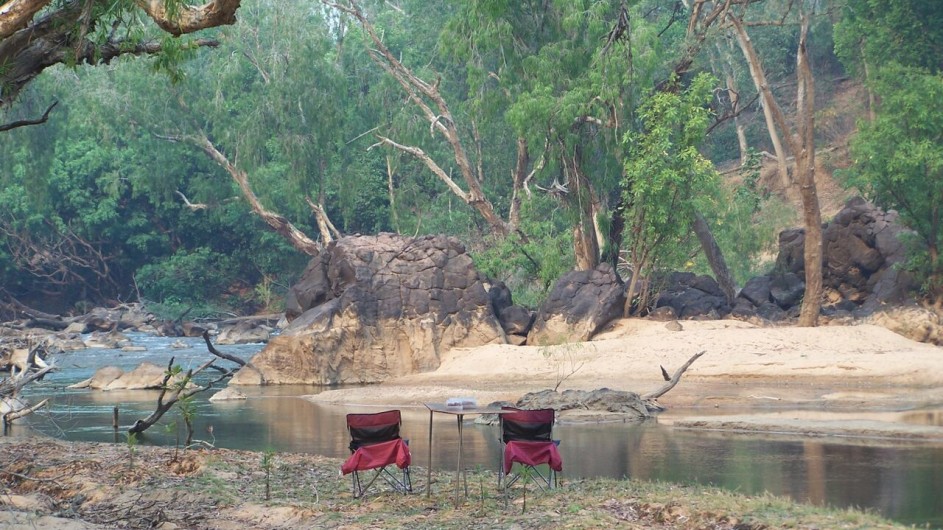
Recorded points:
(216, 489)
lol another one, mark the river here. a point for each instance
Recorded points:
(900, 480)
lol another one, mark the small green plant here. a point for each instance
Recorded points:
(565, 360)
(132, 442)
(525, 473)
(174, 428)
(268, 464)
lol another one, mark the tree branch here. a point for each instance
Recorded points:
(188, 19)
(280, 224)
(674, 379)
(24, 123)
(16, 14)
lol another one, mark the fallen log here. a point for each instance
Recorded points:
(602, 401)
(23, 412)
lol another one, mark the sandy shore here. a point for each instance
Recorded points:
(868, 378)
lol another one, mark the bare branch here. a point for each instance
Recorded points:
(190, 205)
(674, 379)
(24, 123)
(17, 414)
(280, 224)
(329, 232)
(431, 164)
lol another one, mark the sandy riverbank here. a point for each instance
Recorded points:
(856, 373)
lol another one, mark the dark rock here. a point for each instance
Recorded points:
(516, 320)
(757, 290)
(663, 314)
(786, 289)
(771, 312)
(368, 308)
(691, 296)
(500, 297)
(580, 304)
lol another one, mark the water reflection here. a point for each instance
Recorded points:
(927, 417)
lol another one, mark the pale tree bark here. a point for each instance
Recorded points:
(186, 18)
(282, 226)
(16, 14)
(37, 34)
(587, 205)
(733, 93)
(804, 147)
(432, 105)
(872, 101)
(767, 99)
(329, 232)
(391, 190)
(802, 144)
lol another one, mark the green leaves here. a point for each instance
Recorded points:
(899, 157)
(666, 178)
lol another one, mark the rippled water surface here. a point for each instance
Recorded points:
(903, 481)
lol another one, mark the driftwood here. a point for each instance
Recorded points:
(604, 401)
(674, 379)
(20, 413)
(171, 394)
(228, 357)
(270, 319)
(184, 388)
(32, 370)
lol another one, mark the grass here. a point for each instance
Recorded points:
(226, 488)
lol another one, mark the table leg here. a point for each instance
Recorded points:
(461, 456)
(429, 460)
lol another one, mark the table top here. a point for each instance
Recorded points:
(461, 411)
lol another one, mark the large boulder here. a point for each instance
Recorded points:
(580, 304)
(862, 253)
(369, 308)
(691, 296)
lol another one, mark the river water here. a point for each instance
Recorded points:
(900, 480)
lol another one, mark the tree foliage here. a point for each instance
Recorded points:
(667, 181)
(899, 159)
(568, 113)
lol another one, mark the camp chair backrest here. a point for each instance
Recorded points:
(527, 425)
(367, 429)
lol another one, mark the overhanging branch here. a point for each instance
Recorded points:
(25, 123)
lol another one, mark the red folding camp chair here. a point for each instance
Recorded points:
(375, 443)
(526, 435)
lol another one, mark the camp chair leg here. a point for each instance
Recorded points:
(359, 488)
(544, 481)
(403, 485)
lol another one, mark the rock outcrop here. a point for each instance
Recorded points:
(688, 296)
(580, 304)
(146, 376)
(861, 253)
(369, 308)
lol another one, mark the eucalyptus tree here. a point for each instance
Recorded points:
(279, 115)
